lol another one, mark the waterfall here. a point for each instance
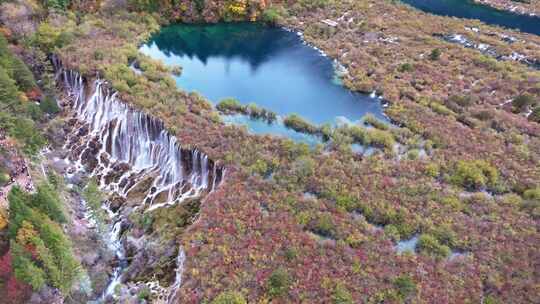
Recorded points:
(173, 290)
(132, 137)
(124, 148)
(116, 246)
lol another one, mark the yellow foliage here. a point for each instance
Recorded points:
(23, 98)
(238, 7)
(263, 300)
(3, 219)
(26, 233)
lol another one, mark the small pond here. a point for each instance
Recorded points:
(470, 10)
(268, 66)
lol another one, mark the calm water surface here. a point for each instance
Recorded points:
(486, 14)
(265, 65)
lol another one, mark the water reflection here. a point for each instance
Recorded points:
(486, 14)
(269, 66)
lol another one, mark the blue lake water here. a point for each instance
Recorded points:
(269, 66)
(486, 14)
(275, 69)
(408, 245)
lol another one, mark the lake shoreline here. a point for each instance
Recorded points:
(523, 8)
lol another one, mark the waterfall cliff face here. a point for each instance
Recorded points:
(135, 159)
(125, 148)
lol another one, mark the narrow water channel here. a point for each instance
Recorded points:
(470, 10)
(268, 66)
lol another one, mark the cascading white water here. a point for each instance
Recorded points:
(173, 290)
(114, 242)
(135, 138)
(128, 136)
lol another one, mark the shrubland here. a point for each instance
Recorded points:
(294, 223)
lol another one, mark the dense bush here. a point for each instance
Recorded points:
(532, 194)
(474, 175)
(522, 102)
(435, 54)
(341, 295)
(405, 67)
(405, 286)
(381, 139)
(324, 226)
(298, 124)
(445, 235)
(230, 105)
(59, 5)
(25, 269)
(48, 37)
(371, 120)
(440, 109)
(487, 63)
(229, 297)
(429, 245)
(233, 106)
(531, 202)
(273, 14)
(278, 283)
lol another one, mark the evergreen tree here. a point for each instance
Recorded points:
(62, 267)
(22, 75)
(26, 132)
(30, 225)
(49, 105)
(24, 268)
(8, 91)
(60, 5)
(15, 68)
(18, 210)
(47, 201)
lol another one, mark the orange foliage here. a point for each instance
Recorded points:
(5, 31)
(3, 219)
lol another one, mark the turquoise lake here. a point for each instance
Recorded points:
(269, 66)
(276, 70)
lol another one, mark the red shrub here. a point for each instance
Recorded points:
(34, 94)
(5, 265)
